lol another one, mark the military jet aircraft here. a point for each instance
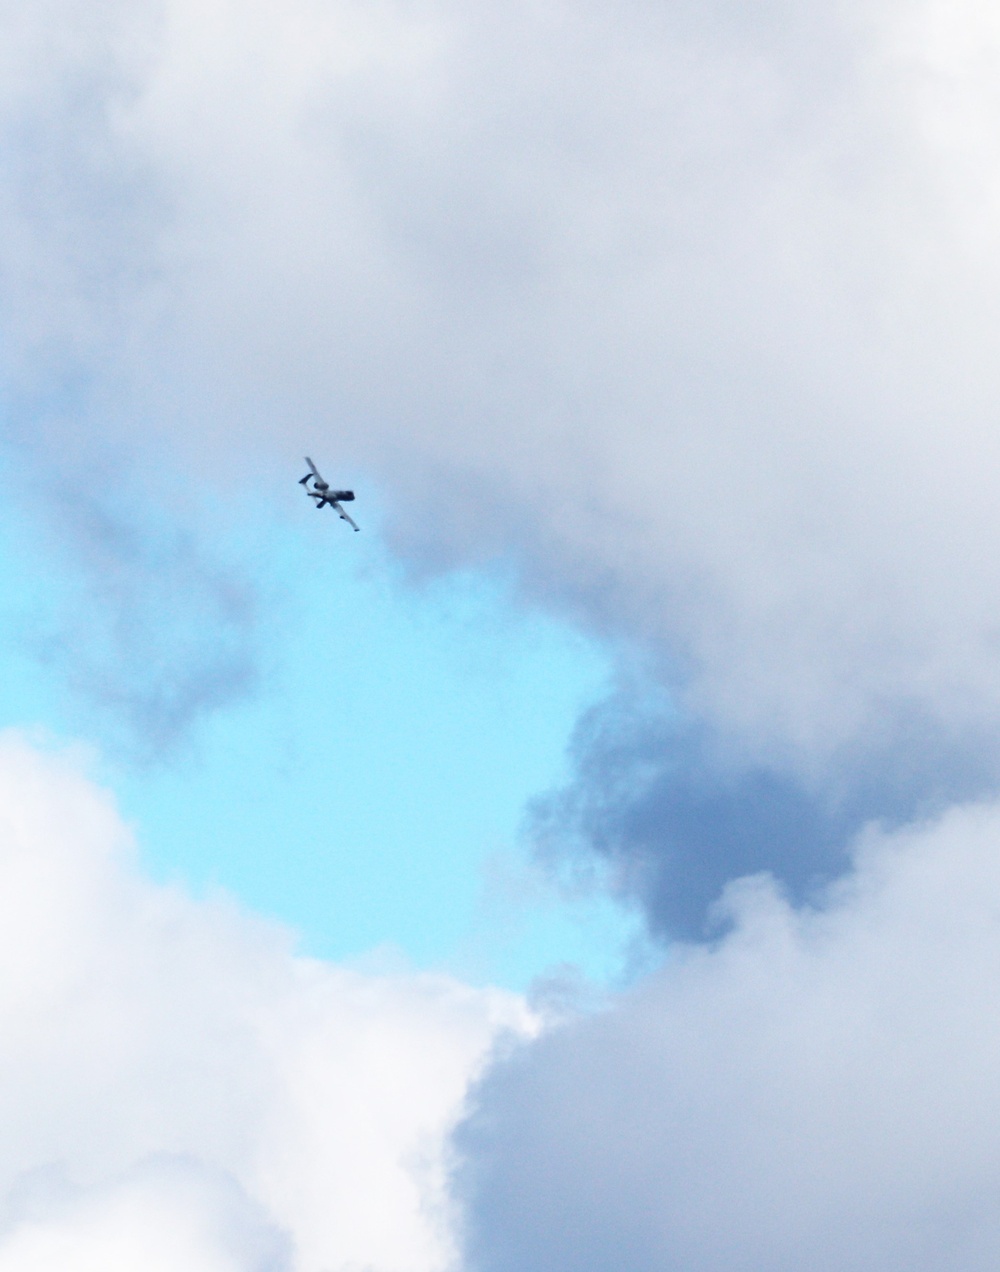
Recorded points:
(322, 493)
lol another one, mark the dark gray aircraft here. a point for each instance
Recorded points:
(322, 493)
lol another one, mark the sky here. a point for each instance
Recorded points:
(592, 863)
(360, 769)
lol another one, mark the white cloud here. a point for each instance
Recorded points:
(179, 1090)
(816, 1090)
(166, 1214)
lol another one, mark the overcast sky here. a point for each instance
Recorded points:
(590, 864)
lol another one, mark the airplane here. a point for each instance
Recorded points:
(322, 493)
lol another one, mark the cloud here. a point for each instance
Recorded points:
(153, 629)
(689, 312)
(137, 607)
(815, 1089)
(673, 816)
(686, 312)
(179, 1090)
(165, 1214)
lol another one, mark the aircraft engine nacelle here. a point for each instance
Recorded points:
(343, 496)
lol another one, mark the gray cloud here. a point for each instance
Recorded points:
(674, 818)
(149, 628)
(79, 205)
(814, 1089)
(167, 634)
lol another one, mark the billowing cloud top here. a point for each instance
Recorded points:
(816, 1090)
(180, 1091)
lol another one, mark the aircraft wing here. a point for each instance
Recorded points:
(342, 514)
(313, 472)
